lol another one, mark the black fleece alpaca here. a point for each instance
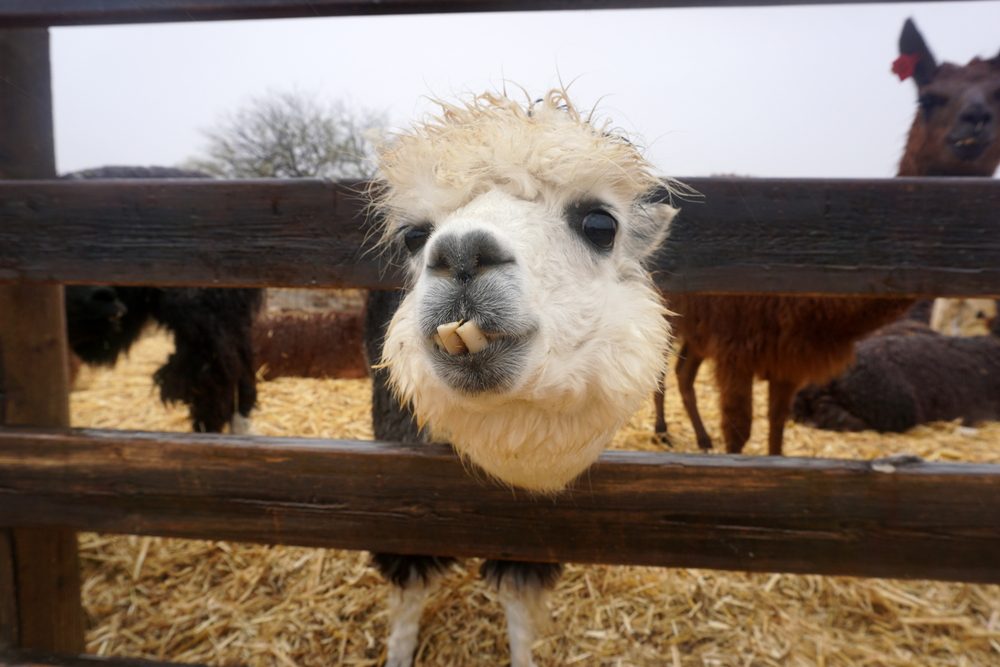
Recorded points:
(211, 369)
(909, 374)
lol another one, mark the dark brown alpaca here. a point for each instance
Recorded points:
(790, 341)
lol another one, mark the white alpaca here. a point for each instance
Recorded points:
(963, 317)
(531, 225)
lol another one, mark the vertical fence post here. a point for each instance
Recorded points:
(39, 567)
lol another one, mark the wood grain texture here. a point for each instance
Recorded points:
(9, 628)
(36, 659)
(187, 232)
(928, 236)
(80, 12)
(909, 520)
(39, 568)
(916, 236)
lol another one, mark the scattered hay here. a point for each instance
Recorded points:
(224, 603)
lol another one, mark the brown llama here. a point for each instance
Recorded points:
(791, 341)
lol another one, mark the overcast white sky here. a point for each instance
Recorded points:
(782, 91)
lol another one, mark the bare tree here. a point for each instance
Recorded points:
(291, 135)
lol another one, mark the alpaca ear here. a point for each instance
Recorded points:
(651, 235)
(911, 43)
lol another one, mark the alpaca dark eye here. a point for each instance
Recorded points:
(930, 101)
(415, 238)
(600, 228)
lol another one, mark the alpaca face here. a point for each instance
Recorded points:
(567, 334)
(955, 131)
(959, 109)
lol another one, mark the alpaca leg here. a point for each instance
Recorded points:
(779, 398)
(240, 425)
(414, 578)
(660, 426)
(523, 589)
(687, 367)
(246, 396)
(736, 401)
(405, 608)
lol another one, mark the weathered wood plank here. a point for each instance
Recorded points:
(20, 13)
(39, 570)
(194, 232)
(9, 630)
(922, 237)
(35, 659)
(918, 520)
(935, 236)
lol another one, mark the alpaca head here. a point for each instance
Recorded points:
(956, 131)
(532, 225)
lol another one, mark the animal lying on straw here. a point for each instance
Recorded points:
(211, 369)
(963, 317)
(530, 331)
(908, 376)
(791, 341)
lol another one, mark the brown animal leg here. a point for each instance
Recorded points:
(688, 364)
(660, 427)
(736, 400)
(779, 403)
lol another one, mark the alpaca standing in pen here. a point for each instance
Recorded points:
(211, 369)
(791, 341)
(530, 330)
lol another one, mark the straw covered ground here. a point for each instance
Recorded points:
(225, 604)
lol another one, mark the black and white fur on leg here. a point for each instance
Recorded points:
(521, 586)
(523, 591)
(413, 578)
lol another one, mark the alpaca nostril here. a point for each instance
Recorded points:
(464, 257)
(977, 116)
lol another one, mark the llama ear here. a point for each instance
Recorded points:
(912, 44)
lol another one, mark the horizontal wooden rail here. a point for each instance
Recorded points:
(38, 659)
(931, 236)
(909, 519)
(21, 13)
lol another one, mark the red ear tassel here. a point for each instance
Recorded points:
(905, 65)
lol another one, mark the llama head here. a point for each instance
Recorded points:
(532, 224)
(955, 131)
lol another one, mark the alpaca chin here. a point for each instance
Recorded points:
(562, 412)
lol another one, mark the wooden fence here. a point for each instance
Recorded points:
(873, 237)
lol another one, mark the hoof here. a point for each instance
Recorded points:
(663, 439)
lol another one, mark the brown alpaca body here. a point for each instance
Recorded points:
(790, 341)
(313, 345)
(787, 341)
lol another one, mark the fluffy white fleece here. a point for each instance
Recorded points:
(602, 339)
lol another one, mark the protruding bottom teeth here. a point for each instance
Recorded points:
(461, 337)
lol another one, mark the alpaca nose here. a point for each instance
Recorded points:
(975, 117)
(463, 257)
